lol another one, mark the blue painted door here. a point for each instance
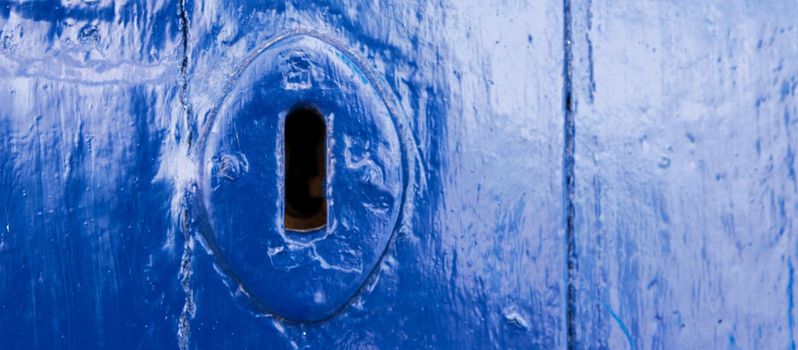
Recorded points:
(143, 168)
(685, 197)
(542, 174)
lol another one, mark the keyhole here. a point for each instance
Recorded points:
(305, 170)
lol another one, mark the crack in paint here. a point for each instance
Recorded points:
(184, 62)
(186, 269)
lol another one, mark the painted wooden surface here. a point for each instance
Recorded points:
(686, 198)
(573, 174)
(105, 104)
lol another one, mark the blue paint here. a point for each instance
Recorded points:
(448, 263)
(791, 304)
(298, 276)
(680, 124)
(732, 343)
(634, 159)
(622, 326)
(140, 194)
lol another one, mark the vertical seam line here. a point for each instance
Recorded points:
(568, 176)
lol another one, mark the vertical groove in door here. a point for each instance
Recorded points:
(568, 177)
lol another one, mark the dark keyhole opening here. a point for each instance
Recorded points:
(305, 170)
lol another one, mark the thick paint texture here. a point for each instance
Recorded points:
(476, 258)
(121, 122)
(304, 276)
(686, 119)
(89, 257)
(514, 175)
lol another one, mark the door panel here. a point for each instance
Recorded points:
(685, 171)
(105, 108)
(514, 175)
(477, 256)
(88, 253)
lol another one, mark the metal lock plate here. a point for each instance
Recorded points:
(301, 276)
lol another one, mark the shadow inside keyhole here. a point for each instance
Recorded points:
(305, 170)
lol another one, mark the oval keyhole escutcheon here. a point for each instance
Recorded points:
(302, 179)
